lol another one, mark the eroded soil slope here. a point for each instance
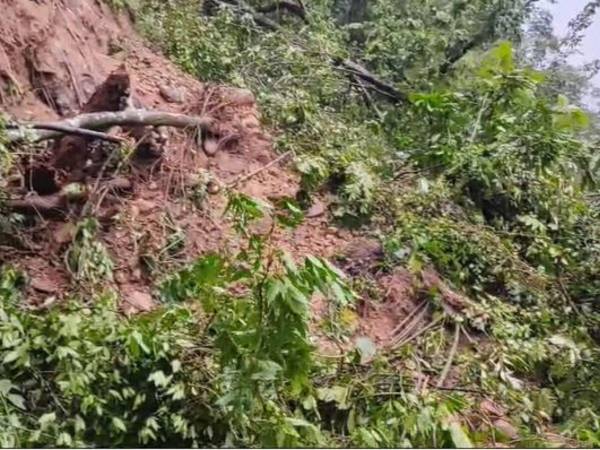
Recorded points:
(54, 55)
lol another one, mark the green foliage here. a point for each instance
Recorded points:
(87, 258)
(80, 375)
(485, 174)
(223, 362)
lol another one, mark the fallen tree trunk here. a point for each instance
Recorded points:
(364, 75)
(104, 120)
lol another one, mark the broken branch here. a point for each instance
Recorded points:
(448, 364)
(79, 131)
(103, 120)
(60, 201)
(362, 73)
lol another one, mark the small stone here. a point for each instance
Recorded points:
(134, 211)
(64, 233)
(239, 96)
(120, 277)
(316, 210)
(141, 301)
(43, 284)
(144, 206)
(213, 187)
(48, 302)
(506, 428)
(251, 122)
(263, 157)
(210, 146)
(263, 226)
(491, 408)
(172, 94)
(153, 186)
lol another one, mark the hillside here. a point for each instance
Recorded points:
(329, 224)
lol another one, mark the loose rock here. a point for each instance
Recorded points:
(316, 210)
(44, 284)
(210, 146)
(140, 301)
(506, 428)
(238, 96)
(172, 94)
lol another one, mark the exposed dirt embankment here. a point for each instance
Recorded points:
(54, 57)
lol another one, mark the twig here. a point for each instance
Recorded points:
(467, 335)
(373, 82)
(6, 72)
(412, 324)
(478, 120)
(367, 97)
(386, 88)
(418, 333)
(46, 204)
(292, 8)
(453, 349)
(416, 171)
(458, 389)
(407, 318)
(563, 290)
(259, 170)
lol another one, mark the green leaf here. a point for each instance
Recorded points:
(159, 378)
(5, 386)
(175, 365)
(139, 339)
(64, 440)
(16, 400)
(11, 356)
(119, 424)
(337, 394)
(79, 424)
(268, 371)
(366, 349)
(46, 419)
(459, 436)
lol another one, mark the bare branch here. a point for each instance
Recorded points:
(103, 120)
(78, 131)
